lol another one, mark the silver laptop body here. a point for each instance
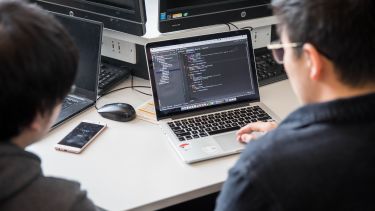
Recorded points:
(205, 88)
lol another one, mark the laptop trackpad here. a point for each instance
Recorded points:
(228, 142)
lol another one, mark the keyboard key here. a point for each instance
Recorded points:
(181, 138)
(223, 130)
(183, 134)
(178, 131)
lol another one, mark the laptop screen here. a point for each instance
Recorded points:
(197, 73)
(87, 36)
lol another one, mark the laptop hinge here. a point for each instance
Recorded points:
(77, 97)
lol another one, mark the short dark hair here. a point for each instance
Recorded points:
(38, 64)
(342, 30)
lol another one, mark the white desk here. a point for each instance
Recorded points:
(132, 166)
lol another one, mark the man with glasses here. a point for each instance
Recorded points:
(322, 156)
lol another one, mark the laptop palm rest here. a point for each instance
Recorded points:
(228, 142)
(212, 147)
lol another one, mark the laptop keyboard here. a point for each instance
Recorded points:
(268, 70)
(67, 102)
(216, 123)
(110, 75)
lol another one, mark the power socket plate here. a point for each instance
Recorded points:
(261, 36)
(119, 49)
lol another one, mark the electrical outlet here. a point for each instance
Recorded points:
(119, 49)
(261, 36)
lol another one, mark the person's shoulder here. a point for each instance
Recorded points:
(60, 193)
(62, 186)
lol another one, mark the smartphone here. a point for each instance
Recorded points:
(80, 137)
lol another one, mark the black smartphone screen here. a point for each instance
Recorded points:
(81, 134)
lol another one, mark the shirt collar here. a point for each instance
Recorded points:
(355, 109)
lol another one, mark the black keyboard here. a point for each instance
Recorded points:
(216, 123)
(268, 70)
(67, 102)
(111, 75)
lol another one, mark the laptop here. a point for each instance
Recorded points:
(205, 88)
(87, 36)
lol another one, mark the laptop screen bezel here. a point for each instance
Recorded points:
(161, 115)
(77, 90)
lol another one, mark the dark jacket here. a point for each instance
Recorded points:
(321, 157)
(23, 186)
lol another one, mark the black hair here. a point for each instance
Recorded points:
(38, 64)
(341, 30)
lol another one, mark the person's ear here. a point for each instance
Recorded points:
(313, 61)
(37, 123)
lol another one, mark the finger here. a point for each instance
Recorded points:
(246, 138)
(263, 126)
(239, 137)
(245, 129)
(257, 126)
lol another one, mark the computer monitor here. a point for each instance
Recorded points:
(184, 14)
(127, 16)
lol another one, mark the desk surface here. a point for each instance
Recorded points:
(132, 165)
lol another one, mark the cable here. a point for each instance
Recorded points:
(231, 24)
(229, 29)
(237, 28)
(132, 81)
(248, 27)
(132, 86)
(116, 90)
(123, 88)
(142, 92)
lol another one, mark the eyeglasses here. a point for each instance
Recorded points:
(278, 50)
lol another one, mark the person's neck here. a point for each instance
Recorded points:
(23, 140)
(342, 91)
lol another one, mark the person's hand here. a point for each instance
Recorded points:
(248, 132)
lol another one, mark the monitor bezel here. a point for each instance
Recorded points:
(113, 18)
(212, 15)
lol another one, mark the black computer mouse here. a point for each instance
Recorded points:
(121, 112)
